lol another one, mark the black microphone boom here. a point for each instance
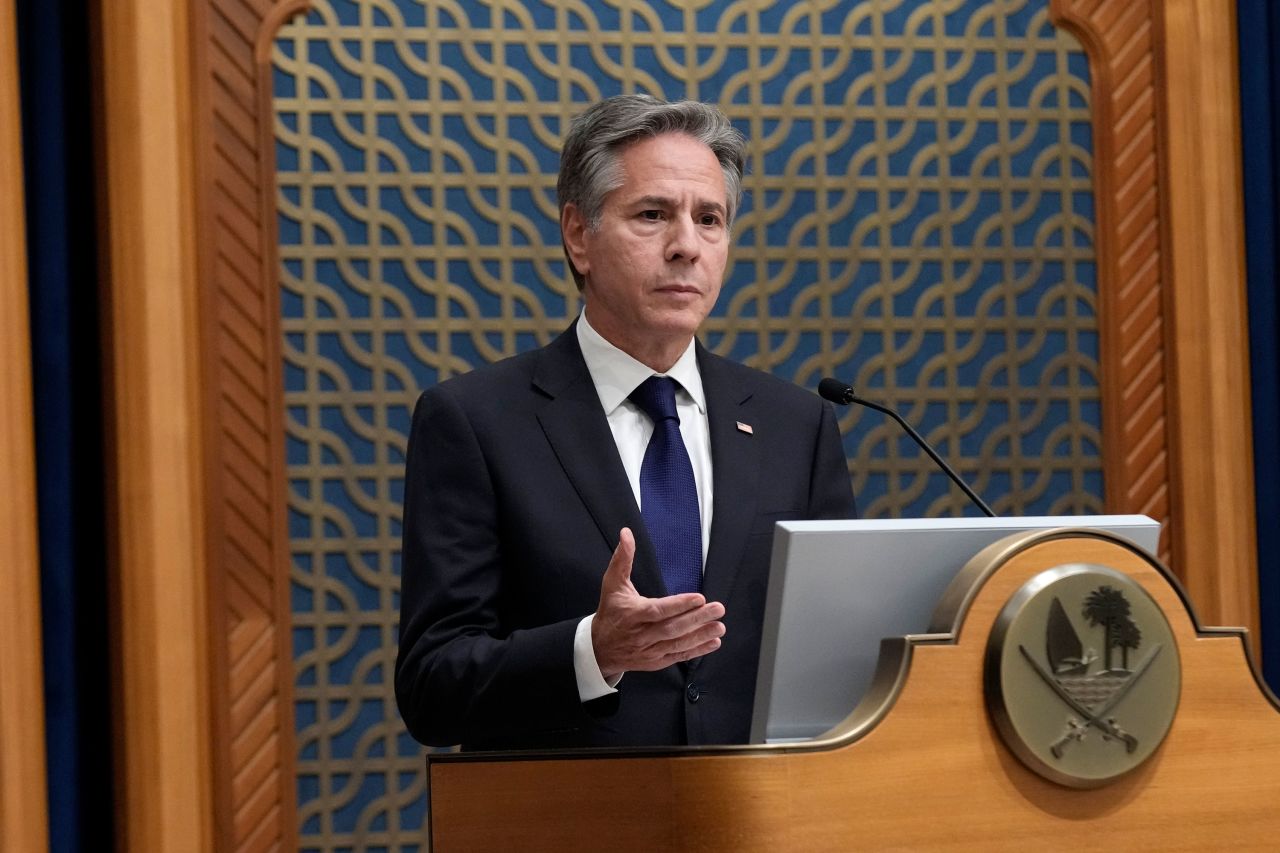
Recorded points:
(842, 395)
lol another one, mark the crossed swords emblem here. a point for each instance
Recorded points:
(1076, 730)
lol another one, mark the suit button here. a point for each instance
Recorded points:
(691, 692)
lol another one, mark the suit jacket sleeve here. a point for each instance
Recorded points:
(460, 675)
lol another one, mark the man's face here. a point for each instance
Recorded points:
(653, 268)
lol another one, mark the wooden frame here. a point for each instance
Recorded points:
(1208, 326)
(199, 459)
(1173, 323)
(251, 668)
(24, 822)
(156, 505)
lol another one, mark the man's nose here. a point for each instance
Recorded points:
(682, 240)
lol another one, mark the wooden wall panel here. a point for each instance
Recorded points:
(1172, 311)
(155, 525)
(251, 653)
(23, 809)
(1208, 314)
(1120, 41)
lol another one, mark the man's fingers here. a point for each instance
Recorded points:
(688, 615)
(660, 652)
(689, 654)
(673, 606)
(686, 642)
(684, 621)
(633, 632)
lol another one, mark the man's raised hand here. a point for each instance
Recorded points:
(631, 632)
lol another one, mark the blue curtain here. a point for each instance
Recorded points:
(1259, 23)
(54, 67)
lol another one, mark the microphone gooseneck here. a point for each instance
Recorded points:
(842, 395)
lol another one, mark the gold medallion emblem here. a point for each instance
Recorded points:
(1082, 675)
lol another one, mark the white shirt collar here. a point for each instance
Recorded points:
(617, 374)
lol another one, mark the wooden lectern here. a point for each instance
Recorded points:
(920, 764)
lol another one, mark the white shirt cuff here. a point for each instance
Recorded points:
(591, 683)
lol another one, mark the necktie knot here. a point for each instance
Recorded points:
(656, 397)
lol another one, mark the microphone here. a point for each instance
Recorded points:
(842, 395)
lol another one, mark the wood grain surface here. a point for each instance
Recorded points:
(1212, 468)
(1172, 313)
(932, 775)
(23, 808)
(156, 513)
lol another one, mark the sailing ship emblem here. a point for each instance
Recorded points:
(1082, 676)
(1092, 695)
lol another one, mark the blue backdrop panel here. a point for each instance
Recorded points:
(918, 220)
(53, 43)
(1260, 136)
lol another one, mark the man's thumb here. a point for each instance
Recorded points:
(619, 572)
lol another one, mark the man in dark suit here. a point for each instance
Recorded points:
(586, 546)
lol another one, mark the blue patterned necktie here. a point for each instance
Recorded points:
(668, 494)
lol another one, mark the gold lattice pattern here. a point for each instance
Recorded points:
(917, 220)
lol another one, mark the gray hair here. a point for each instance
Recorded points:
(591, 166)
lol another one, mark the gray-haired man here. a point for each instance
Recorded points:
(585, 547)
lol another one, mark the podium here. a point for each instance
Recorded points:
(930, 759)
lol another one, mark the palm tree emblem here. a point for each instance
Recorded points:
(1107, 606)
(1090, 697)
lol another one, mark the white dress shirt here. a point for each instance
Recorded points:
(615, 375)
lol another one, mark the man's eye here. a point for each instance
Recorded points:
(651, 215)
(710, 219)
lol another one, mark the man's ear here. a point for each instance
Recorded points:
(573, 231)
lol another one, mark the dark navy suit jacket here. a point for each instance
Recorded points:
(514, 496)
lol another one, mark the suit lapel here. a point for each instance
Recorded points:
(579, 434)
(735, 463)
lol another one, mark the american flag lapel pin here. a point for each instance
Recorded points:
(745, 428)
